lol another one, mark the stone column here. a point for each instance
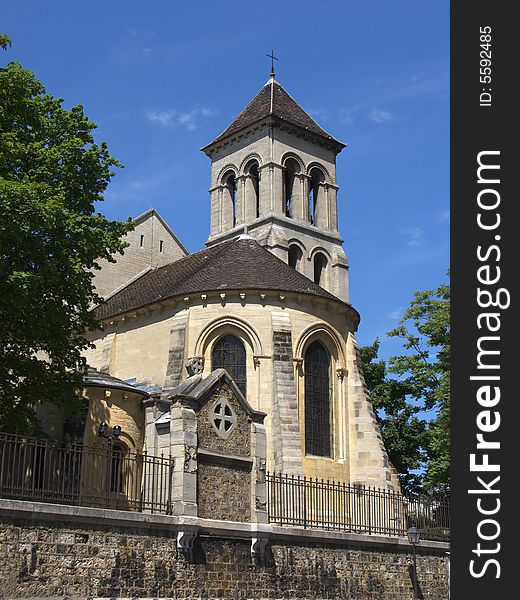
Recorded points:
(250, 199)
(176, 358)
(214, 210)
(264, 187)
(339, 274)
(333, 206)
(240, 200)
(306, 214)
(297, 197)
(321, 214)
(285, 423)
(258, 479)
(183, 449)
(278, 200)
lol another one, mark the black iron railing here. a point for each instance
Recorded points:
(316, 503)
(71, 473)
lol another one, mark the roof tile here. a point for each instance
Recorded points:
(238, 264)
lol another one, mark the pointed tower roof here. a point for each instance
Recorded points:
(274, 101)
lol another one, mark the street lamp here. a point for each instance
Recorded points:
(414, 536)
(102, 432)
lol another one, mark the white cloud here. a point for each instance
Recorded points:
(445, 215)
(188, 119)
(415, 236)
(380, 115)
(395, 315)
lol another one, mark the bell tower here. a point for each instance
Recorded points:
(273, 174)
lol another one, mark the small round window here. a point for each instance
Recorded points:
(223, 418)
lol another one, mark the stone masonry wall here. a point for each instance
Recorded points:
(45, 559)
(223, 493)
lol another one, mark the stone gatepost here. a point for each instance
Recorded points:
(183, 449)
(219, 445)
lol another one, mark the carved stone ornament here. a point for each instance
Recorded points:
(260, 505)
(222, 417)
(261, 470)
(185, 540)
(190, 459)
(258, 550)
(195, 365)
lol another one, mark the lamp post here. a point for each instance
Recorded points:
(102, 432)
(414, 537)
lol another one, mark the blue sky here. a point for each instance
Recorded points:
(162, 79)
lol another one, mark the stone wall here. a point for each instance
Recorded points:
(81, 557)
(223, 493)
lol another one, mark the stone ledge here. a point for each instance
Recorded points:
(74, 515)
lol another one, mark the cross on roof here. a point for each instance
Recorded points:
(273, 58)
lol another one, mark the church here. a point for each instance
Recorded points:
(265, 305)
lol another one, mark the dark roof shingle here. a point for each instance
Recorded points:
(273, 100)
(238, 264)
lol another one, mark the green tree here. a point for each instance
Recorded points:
(404, 432)
(421, 385)
(51, 238)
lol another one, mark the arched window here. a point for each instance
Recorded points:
(320, 264)
(116, 469)
(229, 353)
(291, 168)
(231, 190)
(315, 197)
(317, 400)
(295, 256)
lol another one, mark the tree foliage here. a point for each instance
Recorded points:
(51, 238)
(403, 431)
(411, 393)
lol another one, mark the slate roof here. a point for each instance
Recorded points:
(94, 378)
(237, 264)
(273, 100)
(197, 388)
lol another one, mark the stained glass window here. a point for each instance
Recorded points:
(229, 353)
(317, 400)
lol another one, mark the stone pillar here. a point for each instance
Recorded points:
(258, 480)
(285, 423)
(321, 214)
(250, 198)
(333, 207)
(339, 275)
(297, 197)
(264, 188)
(176, 358)
(183, 449)
(214, 210)
(240, 207)
(278, 200)
(306, 214)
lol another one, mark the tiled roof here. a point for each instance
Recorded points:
(273, 100)
(238, 264)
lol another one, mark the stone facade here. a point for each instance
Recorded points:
(151, 244)
(253, 165)
(153, 346)
(95, 556)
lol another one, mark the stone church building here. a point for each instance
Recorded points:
(267, 300)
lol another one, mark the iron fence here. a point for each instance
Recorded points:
(71, 473)
(316, 503)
